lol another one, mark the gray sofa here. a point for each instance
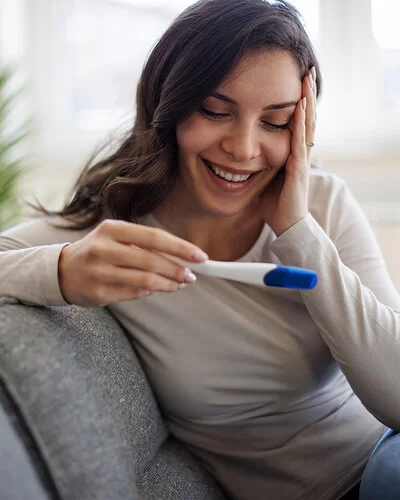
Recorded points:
(78, 419)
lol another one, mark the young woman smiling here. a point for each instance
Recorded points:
(253, 126)
(280, 393)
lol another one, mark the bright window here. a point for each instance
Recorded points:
(385, 18)
(309, 9)
(86, 64)
(107, 44)
(385, 23)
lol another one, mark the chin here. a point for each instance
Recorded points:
(220, 208)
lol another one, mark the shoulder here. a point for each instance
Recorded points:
(330, 200)
(43, 231)
(325, 190)
(325, 185)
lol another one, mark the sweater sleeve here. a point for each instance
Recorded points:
(29, 255)
(355, 303)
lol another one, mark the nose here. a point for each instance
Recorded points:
(241, 143)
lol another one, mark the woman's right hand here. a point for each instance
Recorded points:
(120, 260)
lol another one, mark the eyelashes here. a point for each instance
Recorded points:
(211, 114)
(285, 126)
(221, 116)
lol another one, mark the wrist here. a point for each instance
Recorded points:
(281, 228)
(61, 274)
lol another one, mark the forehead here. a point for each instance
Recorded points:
(264, 75)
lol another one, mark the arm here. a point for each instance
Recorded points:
(355, 304)
(115, 261)
(29, 255)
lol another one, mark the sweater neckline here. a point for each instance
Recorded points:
(252, 255)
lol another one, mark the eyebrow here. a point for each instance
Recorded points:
(281, 105)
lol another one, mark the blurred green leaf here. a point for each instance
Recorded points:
(8, 177)
(12, 143)
(11, 165)
(5, 75)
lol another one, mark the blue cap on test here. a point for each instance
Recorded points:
(291, 277)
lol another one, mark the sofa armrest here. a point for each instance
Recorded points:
(79, 390)
(22, 473)
(72, 374)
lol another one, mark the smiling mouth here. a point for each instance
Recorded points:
(228, 176)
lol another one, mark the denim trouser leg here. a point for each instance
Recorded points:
(381, 477)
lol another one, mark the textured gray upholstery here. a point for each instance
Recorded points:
(18, 472)
(89, 415)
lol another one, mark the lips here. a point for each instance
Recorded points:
(230, 170)
(229, 187)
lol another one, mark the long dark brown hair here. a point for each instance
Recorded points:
(189, 62)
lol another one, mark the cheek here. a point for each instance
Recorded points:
(193, 136)
(278, 150)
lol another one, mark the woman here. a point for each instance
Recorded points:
(268, 387)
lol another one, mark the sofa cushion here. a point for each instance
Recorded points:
(22, 472)
(77, 381)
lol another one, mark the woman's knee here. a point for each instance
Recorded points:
(381, 477)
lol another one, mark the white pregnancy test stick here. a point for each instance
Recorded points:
(255, 273)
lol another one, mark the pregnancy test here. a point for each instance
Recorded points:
(255, 273)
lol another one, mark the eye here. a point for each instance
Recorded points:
(274, 126)
(211, 114)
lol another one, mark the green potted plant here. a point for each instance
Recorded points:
(11, 162)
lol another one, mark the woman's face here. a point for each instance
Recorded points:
(241, 130)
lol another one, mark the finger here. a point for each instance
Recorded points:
(112, 276)
(310, 93)
(133, 257)
(126, 293)
(122, 293)
(189, 276)
(314, 74)
(299, 151)
(129, 293)
(152, 238)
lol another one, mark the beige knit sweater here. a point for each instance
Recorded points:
(267, 386)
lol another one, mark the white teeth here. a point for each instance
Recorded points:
(228, 176)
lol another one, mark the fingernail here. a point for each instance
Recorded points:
(199, 255)
(310, 81)
(182, 285)
(189, 276)
(304, 103)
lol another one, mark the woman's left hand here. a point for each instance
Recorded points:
(285, 200)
